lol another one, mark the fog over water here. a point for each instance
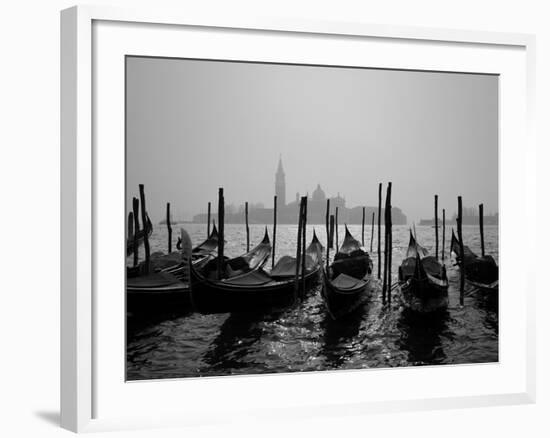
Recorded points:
(193, 126)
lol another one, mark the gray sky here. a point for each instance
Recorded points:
(194, 126)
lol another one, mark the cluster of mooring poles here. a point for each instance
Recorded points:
(247, 227)
(388, 240)
(135, 206)
(301, 248)
(482, 238)
(221, 232)
(134, 231)
(459, 232)
(329, 224)
(460, 237)
(384, 265)
(461, 245)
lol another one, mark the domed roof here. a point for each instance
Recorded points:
(319, 194)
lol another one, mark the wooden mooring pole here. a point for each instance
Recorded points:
(208, 222)
(135, 207)
(247, 228)
(363, 229)
(461, 245)
(481, 236)
(130, 231)
(221, 231)
(298, 249)
(379, 224)
(145, 236)
(327, 221)
(169, 226)
(274, 230)
(390, 239)
(336, 228)
(329, 238)
(327, 227)
(385, 260)
(436, 221)
(443, 238)
(304, 229)
(331, 243)
(386, 280)
(372, 232)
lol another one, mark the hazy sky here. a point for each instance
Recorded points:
(194, 126)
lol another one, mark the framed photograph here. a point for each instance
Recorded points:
(253, 209)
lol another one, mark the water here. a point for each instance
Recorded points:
(304, 337)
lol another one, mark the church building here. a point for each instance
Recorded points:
(287, 213)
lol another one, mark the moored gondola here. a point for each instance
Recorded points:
(480, 272)
(234, 267)
(257, 289)
(346, 281)
(423, 279)
(170, 287)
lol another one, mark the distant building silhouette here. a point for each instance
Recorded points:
(280, 184)
(316, 208)
(470, 216)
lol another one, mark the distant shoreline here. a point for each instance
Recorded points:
(323, 224)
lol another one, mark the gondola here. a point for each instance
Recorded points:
(423, 279)
(172, 263)
(252, 260)
(170, 287)
(257, 289)
(346, 281)
(140, 236)
(199, 256)
(480, 272)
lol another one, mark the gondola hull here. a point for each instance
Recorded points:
(424, 295)
(487, 287)
(479, 272)
(423, 280)
(169, 289)
(149, 301)
(210, 296)
(346, 280)
(340, 302)
(256, 290)
(157, 292)
(163, 291)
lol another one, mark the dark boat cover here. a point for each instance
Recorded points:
(430, 264)
(154, 280)
(286, 266)
(254, 278)
(345, 282)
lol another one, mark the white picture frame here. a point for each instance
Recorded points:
(92, 42)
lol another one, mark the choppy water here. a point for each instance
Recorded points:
(305, 338)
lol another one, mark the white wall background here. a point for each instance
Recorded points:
(29, 215)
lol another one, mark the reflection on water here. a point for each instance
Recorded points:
(304, 337)
(341, 338)
(238, 336)
(421, 336)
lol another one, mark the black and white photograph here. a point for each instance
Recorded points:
(294, 218)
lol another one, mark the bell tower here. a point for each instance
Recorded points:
(280, 185)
